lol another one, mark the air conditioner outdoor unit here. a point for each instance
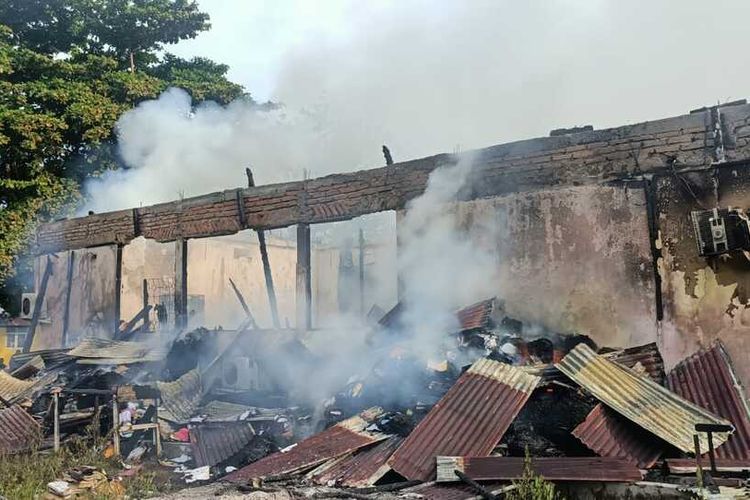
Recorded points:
(242, 373)
(28, 302)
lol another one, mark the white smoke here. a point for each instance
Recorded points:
(442, 268)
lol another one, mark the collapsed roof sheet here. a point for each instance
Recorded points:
(11, 387)
(454, 491)
(476, 315)
(707, 379)
(609, 435)
(18, 431)
(469, 420)
(647, 355)
(551, 468)
(180, 398)
(345, 437)
(639, 399)
(117, 352)
(362, 469)
(212, 444)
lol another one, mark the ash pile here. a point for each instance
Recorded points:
(220, 405)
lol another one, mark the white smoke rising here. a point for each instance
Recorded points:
(442, 268)
(173, 150)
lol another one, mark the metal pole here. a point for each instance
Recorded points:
(118, 289)
(711, 456)
(180, 283)
(68, 293)
(304, 282)
(698, 469)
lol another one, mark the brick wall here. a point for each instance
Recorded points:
(684, 143)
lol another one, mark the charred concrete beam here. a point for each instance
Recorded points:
(594, 156)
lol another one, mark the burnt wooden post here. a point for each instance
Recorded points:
(115, 425)
(304, 282)
(56, 418)
(38, 305)
(180, 283)
(68, 293)
(118, 288)
(266, 263)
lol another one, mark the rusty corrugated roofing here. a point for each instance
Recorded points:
(11, 387)
(609, 435)
(18, 431)
(639, 399)
(647, 355)
(180, 398)
(476, 315)
(550, 468)
(469, 420)
(117, 352)
(707, 379)
(362, 468)
(340, 439)
(453, 491)
(212, 444)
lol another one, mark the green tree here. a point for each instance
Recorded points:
(68, 70)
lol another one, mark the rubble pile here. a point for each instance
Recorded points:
(214, 405)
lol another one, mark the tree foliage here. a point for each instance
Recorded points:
(68, 70)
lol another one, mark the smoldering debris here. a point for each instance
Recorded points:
(491, 388)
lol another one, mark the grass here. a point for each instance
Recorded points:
(25, 476)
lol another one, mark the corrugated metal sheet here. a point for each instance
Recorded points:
(179, 399)
(647, 355)
(469, 420)
(117, 352)
(340, 439)
(551, 468)
(363, 468)
(212, 444)
(11, 387)
(707, 379)
(639, 399)
(609, 435)
(448, 491)
(476, 315)
(221, 411)
(18, 430)
(687, 465)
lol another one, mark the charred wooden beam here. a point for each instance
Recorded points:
(180, 284)
(266, 263)
(29, 341)
(304, 281)
(128, 328)
(118, 288)
(243, 303)
(146, 318)
(68, 293)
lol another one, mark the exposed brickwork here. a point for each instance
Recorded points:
(684, 143)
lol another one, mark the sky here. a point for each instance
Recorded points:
(539, 65)
(423, 77)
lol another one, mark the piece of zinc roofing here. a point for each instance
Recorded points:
(707, 379)
(604, 469)
(646, 355)
(610, 435)
(11, 387)
(639, 399)
(469, 420)
(345, 437)
(361, 469)
(180, 398)
(214, 443)
(476, 315)
(107, 351)
(18, 431)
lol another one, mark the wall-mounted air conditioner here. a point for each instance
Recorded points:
(243, 374)
(28, 302)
